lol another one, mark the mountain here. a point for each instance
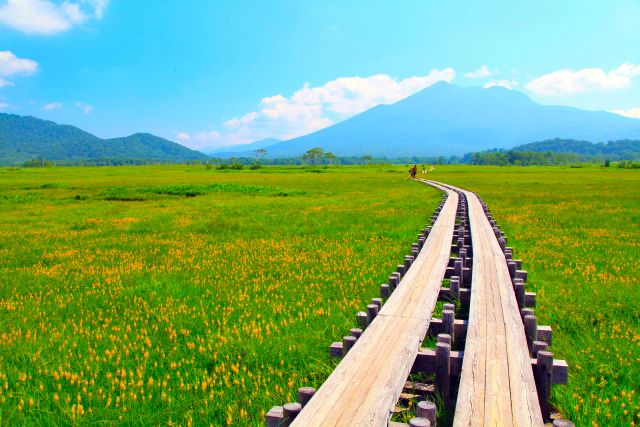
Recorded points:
(24, 138)
(444, 120)
(242, 149)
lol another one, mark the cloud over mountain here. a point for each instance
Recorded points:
(311, 108)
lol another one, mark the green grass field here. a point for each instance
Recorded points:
(172, 294)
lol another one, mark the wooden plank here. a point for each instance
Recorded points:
(365, 386)
(497, 386)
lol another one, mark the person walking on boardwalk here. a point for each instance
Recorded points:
(413, 171)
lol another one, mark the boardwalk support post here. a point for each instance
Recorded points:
(530, 330)
(347, 343)
(543, 373)
(427, 409)
(443, 371)
(419, 422)
(290, 412)
(305, 394)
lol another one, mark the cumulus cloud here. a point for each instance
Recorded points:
(480, 73)
(3, 106)
(86, 108)
(632, 112)
(568, 82)
(11, 65)
(311, 108)
(52, 106)
(47, 17)
(509, 84)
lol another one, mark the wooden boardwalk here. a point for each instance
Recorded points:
(365, 386)
(497, 381)
(497, 387)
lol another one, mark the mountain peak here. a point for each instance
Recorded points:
(445, 119)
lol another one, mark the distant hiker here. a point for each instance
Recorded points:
(413, 171)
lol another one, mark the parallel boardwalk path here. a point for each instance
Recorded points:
(497, 386)
(365, 386)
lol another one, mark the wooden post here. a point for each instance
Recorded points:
(377, 301)
(502, 242)
(401, 269)
(419, 422)
(537, 347)
(454, 286)
(289, 412)
(385, 291)
(448, 321)
(427, 409)
(530, 330)
(518, 287)
(521, 274)
(415, 248)
(361, 319)
(305, 394)
(372, 312)
(355, 332)
(526, 312)
(394, 279)
(512, 269)
(273, 418)
(457, 267)
(444, 338)
(347, 343)
(443, 371)
(408, 260)
(543, 381)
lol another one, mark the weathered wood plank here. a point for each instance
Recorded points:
(364, 387)
(497, 386)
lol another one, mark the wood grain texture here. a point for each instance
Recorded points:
(365, 386)
(497, 386)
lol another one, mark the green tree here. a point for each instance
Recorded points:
(330, 157)
(313, 156)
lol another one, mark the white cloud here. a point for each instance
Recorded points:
(3, 106)
(480, 73)
(632, 112)
(11, 65)
(5, 83)
(568, 82)
(509, 84)
(311, 108)
(52, 106)
(86, 108)
(207, 136)
(183, 136)
(47, 17)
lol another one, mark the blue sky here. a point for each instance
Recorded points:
(208, 74)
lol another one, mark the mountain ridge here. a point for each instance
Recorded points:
(23, 138)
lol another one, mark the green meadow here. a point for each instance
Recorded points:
(180, 295)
